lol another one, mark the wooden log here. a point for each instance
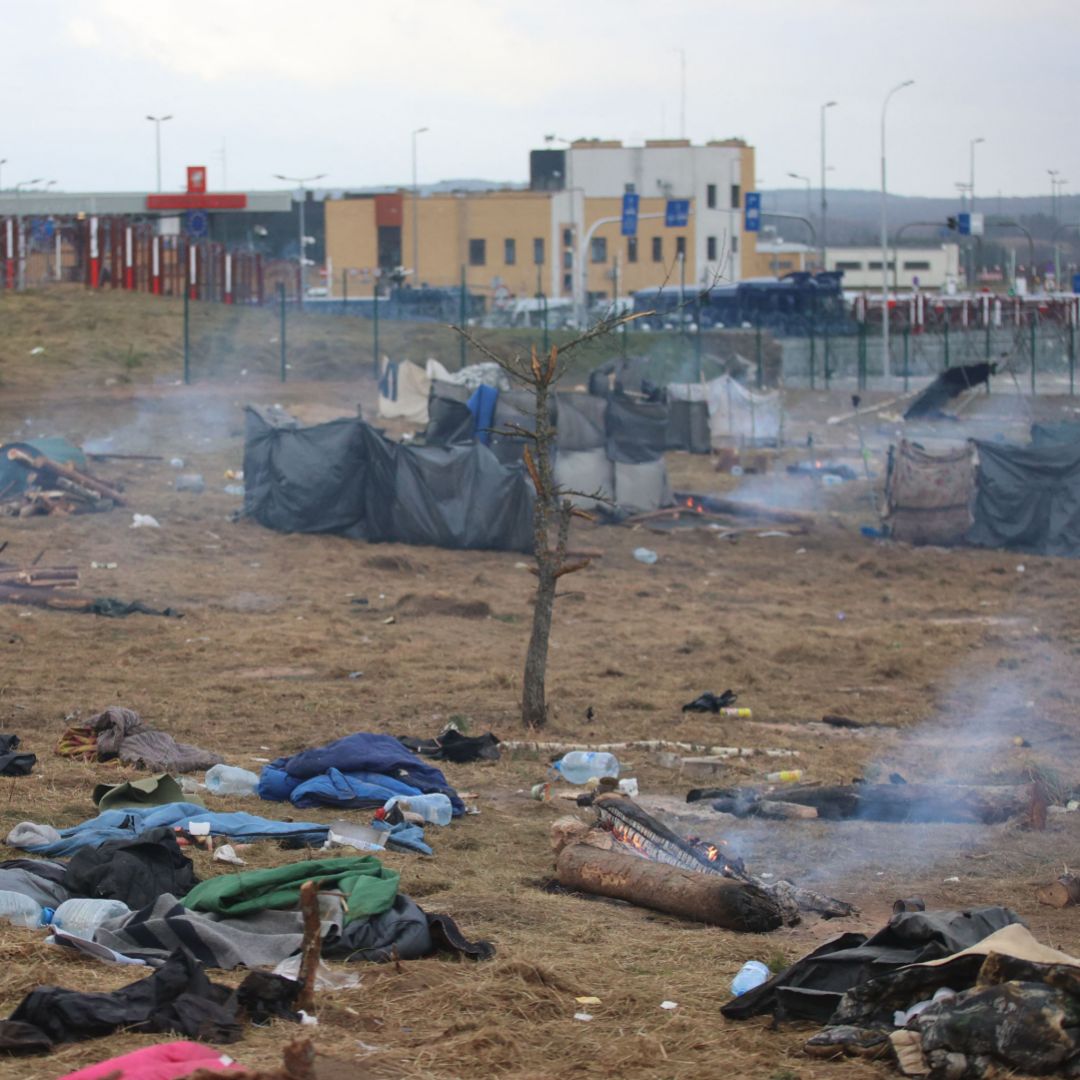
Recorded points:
(312, 946)
(707, 898)
(1065, 892)
(914, 802)
(41, 462)
(784, 811)
(720, 505)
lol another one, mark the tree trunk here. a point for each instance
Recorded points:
(708, 898)
(533, 703)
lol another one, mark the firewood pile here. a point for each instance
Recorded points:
(54, 487)
(40, 586)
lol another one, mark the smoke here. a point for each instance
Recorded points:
(781, 491)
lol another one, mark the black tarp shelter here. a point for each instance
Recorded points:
(344, 477)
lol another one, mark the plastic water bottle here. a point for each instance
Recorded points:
(81, 918)
(435, 807)
(581, 766)
(752, 973)
(20, 910)
(230, 780)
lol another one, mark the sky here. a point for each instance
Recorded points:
(338, 88)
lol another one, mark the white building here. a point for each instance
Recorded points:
(925, 268)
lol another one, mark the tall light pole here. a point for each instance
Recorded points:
(972, 143)
(806, 181)
(886, 365)
(301, 182)
(415, 212)
(1053, 192)
(3, 162)
(824, 203)
(157, 122)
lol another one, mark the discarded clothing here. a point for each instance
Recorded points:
(368, 886)
(361, 755)
(120, 732)
(40, 885)
(709, 702)
(157, 790)
(357, 791)
(126, 824)
(136, 871)
(451, 745)
(178, 997)
(11, 762)
(403, 926)
(404, 836)
(168, 1061)
(111, 608)
(813, 986)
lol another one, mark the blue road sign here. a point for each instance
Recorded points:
(752, 212)
(677, 213)
(630, 203)
(1076, 283)
(198, 224)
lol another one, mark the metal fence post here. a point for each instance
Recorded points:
(860, 377)
(547, 347)
(1033, 346)
(697, 339)
(281, 302)
(187, 338)
(462, 310)
(825, 359)
(1072, 360)
(813, 358)
(757, 353)
(946, 339)
(907, 355)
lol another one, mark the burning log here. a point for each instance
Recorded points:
(708, 898)
(1065, 892)
(64, 471)
(914, 802)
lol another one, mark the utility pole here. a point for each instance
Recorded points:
(824, 203)
(415, 212)
(301, 181)
(886, 364)
(157, 122)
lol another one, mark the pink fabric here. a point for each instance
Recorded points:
(169, 1061)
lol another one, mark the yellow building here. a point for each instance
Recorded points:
(562, 236)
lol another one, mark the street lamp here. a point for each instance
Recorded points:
(157, 122)
(301, 181)
(3, 162)
(824, 204)
(971, 175)
(885, 362)
(415, 219)
(806, 181)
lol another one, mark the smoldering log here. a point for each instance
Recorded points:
(914, 803)
(1065, 892)
(708, 898)
(68, 472)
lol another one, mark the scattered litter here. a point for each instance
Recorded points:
(177, 462)
(234, 489)
(951, 880)
(800, 551)
(234, 474)
(227, 854)
(587, 1000)
(752, 973)
(541, 792)
(389, 620)
(521, 566)
(309, 1021)
(774, 532)
(192, 482)
(361, 837)
(326, 977)
(37, 350)
(583, 1016)
(103, 566)
(840, 616)
(355, 675)
(198, 828)
(669, 1005)
(719, 704)
(145, 521)
(785, 776)
(1020, 568)
(645, 555)
(629, 787)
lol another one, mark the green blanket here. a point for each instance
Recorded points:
(368, 886)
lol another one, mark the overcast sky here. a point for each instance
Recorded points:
(336, 86)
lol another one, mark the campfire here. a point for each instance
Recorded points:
(53, 487)
(624, 830)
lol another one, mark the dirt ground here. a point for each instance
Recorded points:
(948, 655)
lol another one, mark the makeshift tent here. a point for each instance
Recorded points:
(928, 496)
(344, 477)
(403, 391)
(737, 414)
(1028, 498)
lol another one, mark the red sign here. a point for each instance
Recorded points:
(196, 179)
(230, 201)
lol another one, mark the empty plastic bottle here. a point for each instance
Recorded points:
(752, 973)
(435, 807)
(581, 766)
(230, 780)
(82, 917)
(20, 910)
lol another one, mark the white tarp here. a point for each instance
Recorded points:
(403, 391)
(473, 375)
(737, 414)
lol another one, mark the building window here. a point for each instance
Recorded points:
(736, 195)
(841, 265)
(917, 264)
(568, 238)
(734, 245)
(657, 249)
(710, 248)
(568, 282)
(568, 260)
(509, 251)
(877, 265)
(785, 264)
(538, 251)
(477, 252)
(710, 196)
(631, 249)
(598, 249)
(680, 247)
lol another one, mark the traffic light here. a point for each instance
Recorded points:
(952, 223)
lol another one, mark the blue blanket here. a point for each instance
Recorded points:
(482, 406)
(355, 771)
(124, 824)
